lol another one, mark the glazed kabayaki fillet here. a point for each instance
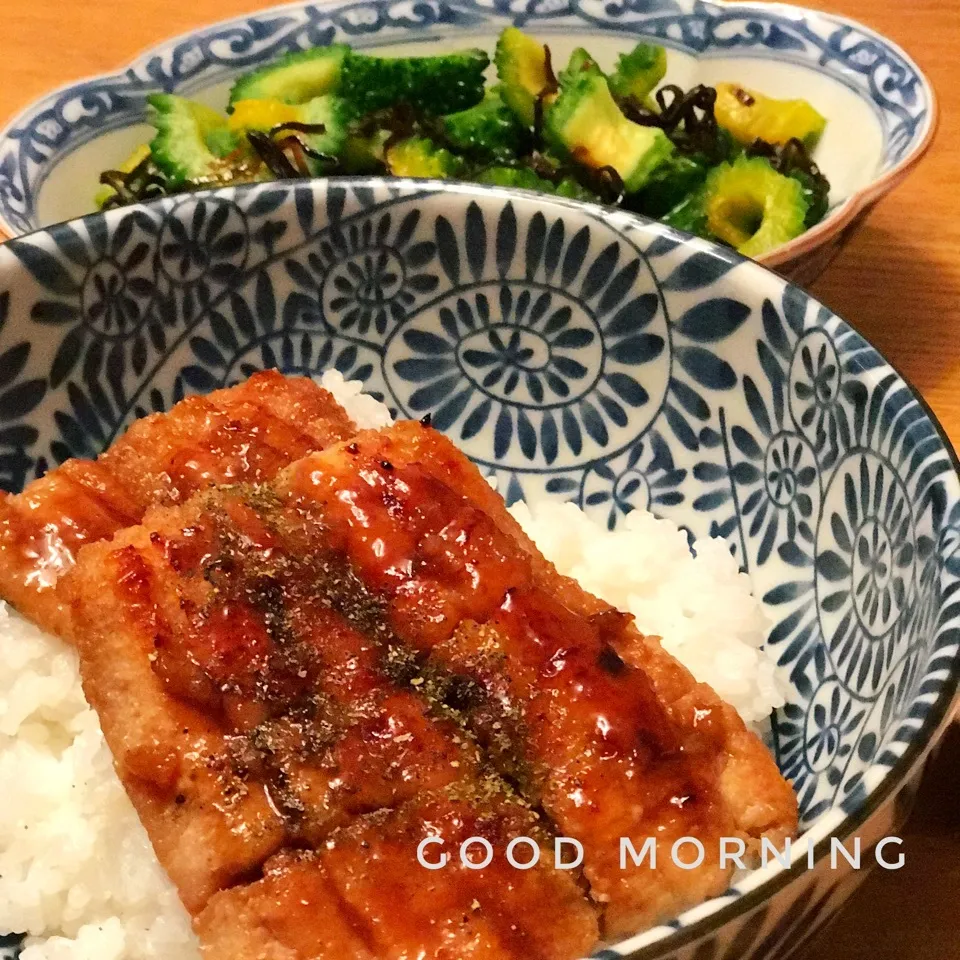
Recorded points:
(301, 679)
(244, 433)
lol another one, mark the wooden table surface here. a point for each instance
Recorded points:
(898, 282)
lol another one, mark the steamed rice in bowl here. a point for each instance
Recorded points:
(77, 872)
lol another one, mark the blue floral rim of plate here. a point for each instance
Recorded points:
(875, 68)
(573, 351)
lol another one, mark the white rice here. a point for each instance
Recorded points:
(76, 869)
(701, 606)
(77, 872)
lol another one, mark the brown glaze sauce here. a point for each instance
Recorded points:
(246, 433)
(306, 695)
(580, 732)
(358, 766)
(248, 448)
(382, 661)
(438, 560)
(42, 537)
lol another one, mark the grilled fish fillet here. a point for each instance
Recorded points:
(599, 726)
(363, 895)
(258, 656)
(283, 759)
(245, 433)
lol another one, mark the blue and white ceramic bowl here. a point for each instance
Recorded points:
(880, 107)
(585, 355)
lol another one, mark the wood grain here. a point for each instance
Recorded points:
(898, 282)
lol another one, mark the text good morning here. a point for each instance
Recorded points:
(686, 853)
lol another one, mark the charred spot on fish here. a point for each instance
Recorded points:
(266, 594)
(218, 568)
(241, 758)
(284, 799)
(402, 665)
(608, 659)
(463, 693)
(655, 746)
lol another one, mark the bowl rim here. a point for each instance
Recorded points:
(834, 224)
(941, 711)
(924, 740)
(837, 220)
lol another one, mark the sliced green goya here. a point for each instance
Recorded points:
(752, 207)
(527, 179)
(522, 68)
(364, 152)
(180, 148)
(222, 141)
(294, 78)
(750, 116)
(580, 60)
(674, 180)
(488, 131)
(436, 85)
(638, 72)
(270, 116)
(420, 157)
(689, 214)
(585, 124)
